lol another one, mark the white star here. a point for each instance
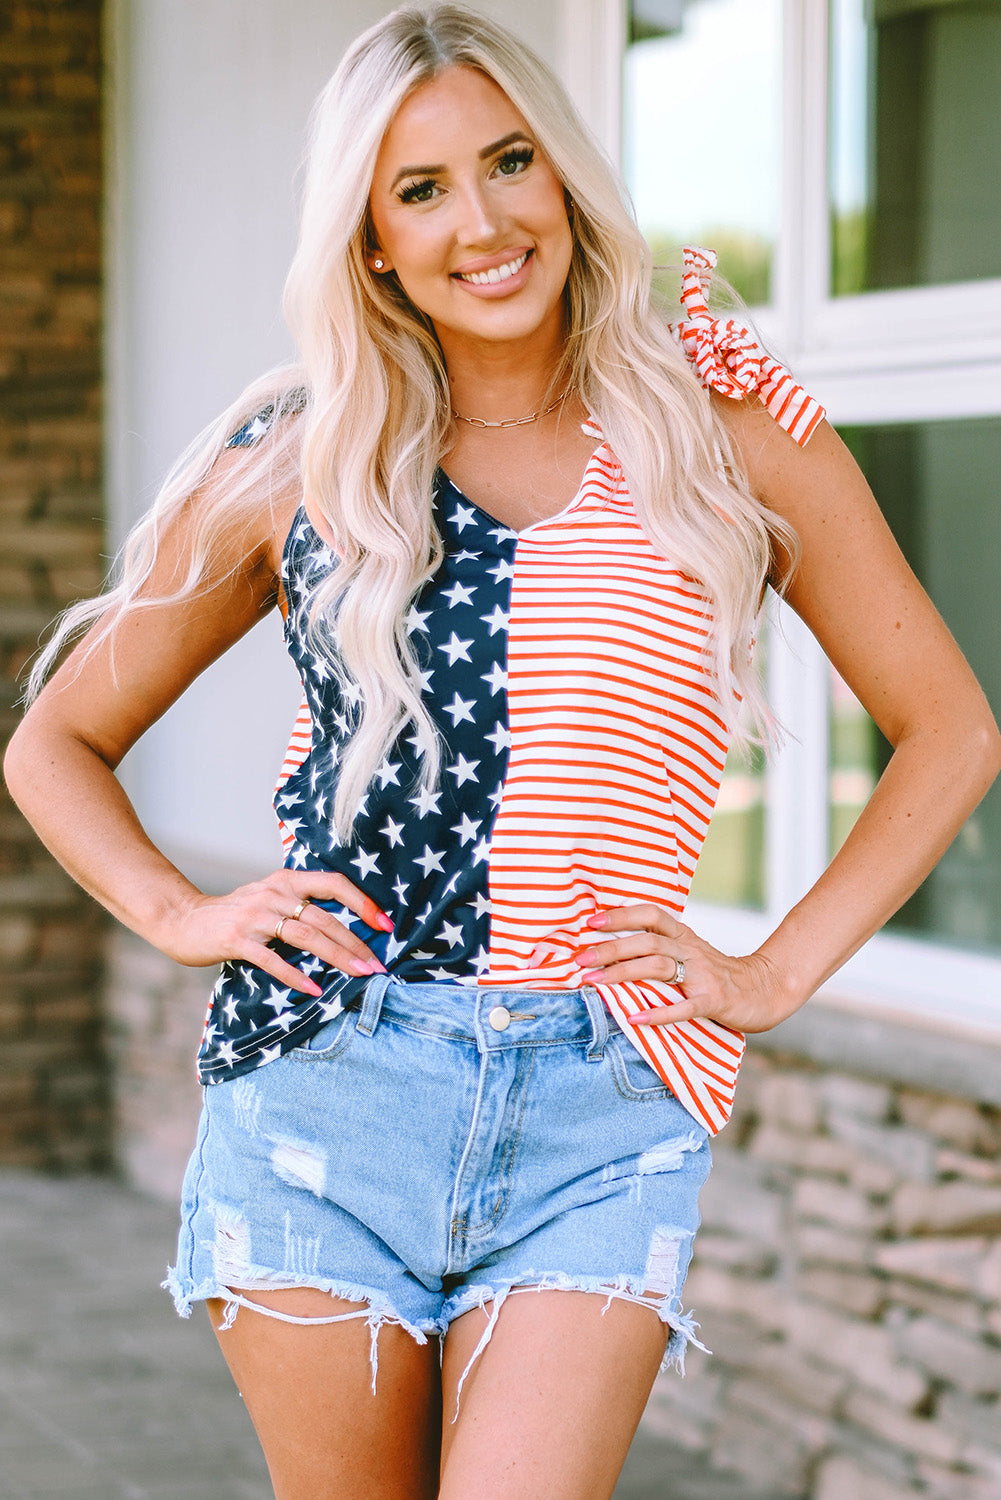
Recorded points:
(503, 570)
(298, 860)
(278, 1000)
(504, 534)
(345, 915)
(227, 1053)
(481, 852)
(453, 882)
(455, 649)
(465, 557)
(460, 708)
(426, 802)
(452, 933)
(430, 860)
(329, 1009)
(498, 619)
(312, 965)
(246, 973)
(462, 517)
(482, 904)
(467, 829)
(256, 429)
(284, 1019)
(497, 795)
(387, 772)
(481, 961)
(500, 737)
(392, 831)
(230, 1009)
(463, 770)
(425, 676)
(268, 1054)
(320, 805)
(416, 619)
(421, 955)
(394, 947)
(441, 973)
(496, 678)
(401, 888)
(422, 916)
(368, 864)
(459, 593)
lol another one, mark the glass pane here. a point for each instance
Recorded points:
(937, 485)
(702, 105)
(915, 142)
(731, 869)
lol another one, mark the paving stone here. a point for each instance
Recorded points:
(949, 1354)
(841, 1478)
(947, 1208)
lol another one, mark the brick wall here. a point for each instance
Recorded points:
(848, 1280)
(53, 1088)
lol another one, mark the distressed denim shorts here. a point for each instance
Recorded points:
(438, 1147)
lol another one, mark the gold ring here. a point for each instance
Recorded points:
(679, 972)
(281, 924)
(299, 910)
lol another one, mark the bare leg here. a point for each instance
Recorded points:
(309, 1392)
(550, 1407)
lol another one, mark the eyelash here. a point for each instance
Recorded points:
(525, 155)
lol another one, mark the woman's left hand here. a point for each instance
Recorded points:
(747, 993)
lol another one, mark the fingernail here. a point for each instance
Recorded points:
(386, 923)
(589, 956)
(639, 1016)
(311, 988)
(587, 974)
(599, 919)
(375, 967)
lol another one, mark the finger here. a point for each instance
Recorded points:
(273, 964)
(318, 931)
(649, 966)
(660, 1015)
(637, 945)
(331, 886)
(646, 916)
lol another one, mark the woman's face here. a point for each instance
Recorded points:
(470, 215)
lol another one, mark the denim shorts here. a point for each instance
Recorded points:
(437, 1147)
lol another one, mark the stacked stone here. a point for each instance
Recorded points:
(53, 1088)
(848, 1280)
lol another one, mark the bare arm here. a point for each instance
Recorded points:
(61, 761)
(855, 591)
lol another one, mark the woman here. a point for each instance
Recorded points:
(462, 1045)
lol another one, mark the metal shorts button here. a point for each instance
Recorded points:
(500, 1018)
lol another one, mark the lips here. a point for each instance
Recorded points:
(494, 274)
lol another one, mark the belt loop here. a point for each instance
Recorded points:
(371, 1005)
(598, 1016)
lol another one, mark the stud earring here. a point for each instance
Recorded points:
(378, 264)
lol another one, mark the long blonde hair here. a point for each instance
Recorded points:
(366, 418)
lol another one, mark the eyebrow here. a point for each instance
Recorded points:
(495, 146)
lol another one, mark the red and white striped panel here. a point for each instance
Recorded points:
(616, 758)
(299, 745)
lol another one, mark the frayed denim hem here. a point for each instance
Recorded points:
(376, 1312)
(619, 1288)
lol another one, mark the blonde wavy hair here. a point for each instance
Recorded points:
(362, 424)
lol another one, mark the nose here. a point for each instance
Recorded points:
(479, 220)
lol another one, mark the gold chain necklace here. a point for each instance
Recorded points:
(513, 421)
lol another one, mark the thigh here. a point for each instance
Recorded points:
(552, 1402)
(308, 1387)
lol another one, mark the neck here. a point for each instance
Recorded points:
(496, 383)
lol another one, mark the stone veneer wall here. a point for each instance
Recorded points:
(848, 1279)
(848, 1272)
(54, 1104)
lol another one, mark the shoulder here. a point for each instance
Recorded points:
(278, 412)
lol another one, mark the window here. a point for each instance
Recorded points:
(915, 148)
(695, 72)
(855, 147)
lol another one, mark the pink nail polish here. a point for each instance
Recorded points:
(599, 919)
(311, 988)
(386, 923)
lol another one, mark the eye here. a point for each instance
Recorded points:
(515, 160)
(418, 192)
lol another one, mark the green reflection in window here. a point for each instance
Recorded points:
(696, 72)
(915, 142)
(731, 870)
(937, 484)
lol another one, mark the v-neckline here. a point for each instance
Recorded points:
(545, 520)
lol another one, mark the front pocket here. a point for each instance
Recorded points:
(332, 1038)
(634, 1077)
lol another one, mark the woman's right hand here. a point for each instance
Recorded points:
(210, 929)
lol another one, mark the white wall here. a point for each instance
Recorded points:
(208, 102)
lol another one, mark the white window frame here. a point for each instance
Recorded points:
(922, 354)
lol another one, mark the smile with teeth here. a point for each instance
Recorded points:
(495, 274)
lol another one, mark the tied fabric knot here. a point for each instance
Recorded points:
(728, 358)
